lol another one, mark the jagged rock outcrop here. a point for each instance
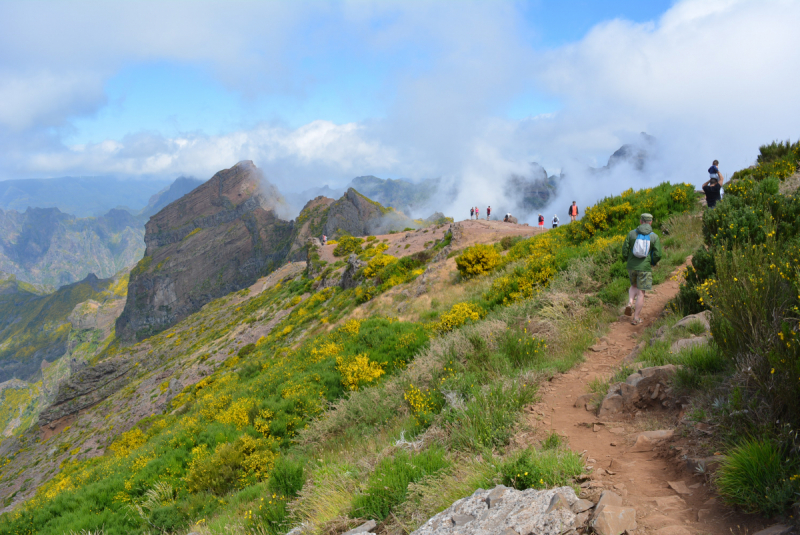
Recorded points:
(219, 238)
(309, 224)
(641, 390)
(357, 215)
(87, 387)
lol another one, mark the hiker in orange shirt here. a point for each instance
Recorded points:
(573, 211)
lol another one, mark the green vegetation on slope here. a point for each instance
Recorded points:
(233, 453)
(36, 327)
(747, 275)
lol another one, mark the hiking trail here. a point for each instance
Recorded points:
(669, 498)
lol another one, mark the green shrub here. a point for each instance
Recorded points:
(487, 420)
(246, 350)
(388, 483)
(777, 150)
(754, 322)
(347, 245)
(477, 260)
(288, 476)
(540, 469)
(760, 477)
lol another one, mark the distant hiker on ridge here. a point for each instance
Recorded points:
(477, 213)
(641, 251)
(713, 186)
(541, 221)
(555, 221)
(471, 212)
(573, 211)
(488, 212)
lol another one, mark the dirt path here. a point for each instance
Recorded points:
(641, 478)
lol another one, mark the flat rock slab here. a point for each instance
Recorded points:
(614, 520)
(777, 529)
(520, 511)
(363, 528)
(679, 487)
(673, 530)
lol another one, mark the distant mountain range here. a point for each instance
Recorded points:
(45, 245)
(79, 196)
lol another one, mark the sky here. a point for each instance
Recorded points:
(320, 92)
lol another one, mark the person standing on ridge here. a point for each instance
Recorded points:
(488, 212)
(541, 221)
(477, 213)
(641, 251)
(713, 186)
(555, 221)
(471, 212)
(573, 211)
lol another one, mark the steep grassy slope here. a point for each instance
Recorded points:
(36, 327)
(81, 333)
(224, 421)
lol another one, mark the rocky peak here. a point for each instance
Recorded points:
(357, 215)
(216, 239)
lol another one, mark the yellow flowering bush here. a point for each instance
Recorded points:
(238, 413)
(127, 442)
(477, 260)
(424, 404)
(376, 263)
(358, 370)
(458, 315)
(351, 327)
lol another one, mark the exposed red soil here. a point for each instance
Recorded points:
(641, 478)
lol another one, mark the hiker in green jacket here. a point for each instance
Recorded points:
(641, 250)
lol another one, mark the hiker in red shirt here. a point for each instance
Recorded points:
(488, 212)
(573, 211)
(541, 221)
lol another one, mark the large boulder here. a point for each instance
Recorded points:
(641, 390)
(503, 509)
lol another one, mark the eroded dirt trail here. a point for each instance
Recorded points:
(668, 497)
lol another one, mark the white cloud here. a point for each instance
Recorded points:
(710, 79)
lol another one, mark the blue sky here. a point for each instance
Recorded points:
(319, 92)
(342, 84)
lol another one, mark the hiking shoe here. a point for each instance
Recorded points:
(628, 310)
(636, 321)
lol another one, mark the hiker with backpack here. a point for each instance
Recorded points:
(541, 221)
(641, 251)
(573, 211)
(555, 221)
(488, 212)
(471, 212)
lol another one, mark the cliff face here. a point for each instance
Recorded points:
(217, 239)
